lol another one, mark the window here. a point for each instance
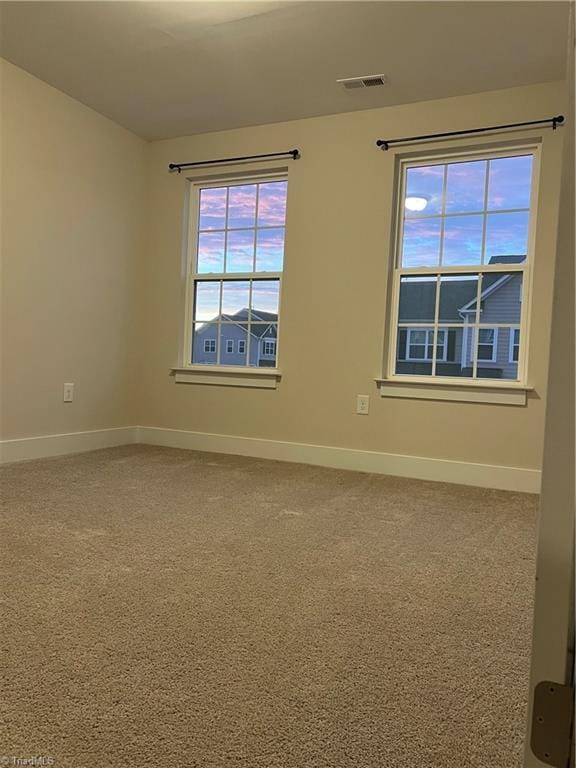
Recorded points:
(236, 262)
(462, 267)
(269, 348)
(419, 344)
(514, 345)
(487, 345)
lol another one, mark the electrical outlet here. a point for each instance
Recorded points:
(363, 404)
(68, 393)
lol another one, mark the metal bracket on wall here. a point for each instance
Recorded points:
(552, 720)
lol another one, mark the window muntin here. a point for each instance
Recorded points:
(462, 266)
(236, 271)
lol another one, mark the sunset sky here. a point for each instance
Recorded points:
(509, 185)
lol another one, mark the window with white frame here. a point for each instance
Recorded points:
(235, 271)
(462, 266)
(487, 345)
(419, 344)
(514, 345)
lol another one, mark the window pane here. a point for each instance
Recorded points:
(233, 344)
(210, 252)
(213, 208)
(272, 204)
(207, 303)
(240, 251)
(205, 343)
(424, 190)
(417, 299)
(458, 294)
(242, 206)
(269, 250)
(510, 182)
(506, 235)
(501, 298)
(462, 240)
(411, 352)
(235, 297)
(486, 335)
(263, 344)
(465, 186)
(421, 243)
(493, 350)
(455, 361)
(265, 297)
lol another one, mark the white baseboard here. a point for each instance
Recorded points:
(418, 467)
(57, 445)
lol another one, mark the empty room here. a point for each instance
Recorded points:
(287, 384)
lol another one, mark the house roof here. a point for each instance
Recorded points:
(418, 296)
(264, 322)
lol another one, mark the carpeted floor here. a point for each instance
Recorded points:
(172, 608)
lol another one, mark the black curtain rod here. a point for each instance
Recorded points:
(385, 143)
(293, 153)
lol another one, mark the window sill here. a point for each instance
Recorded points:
(228, 376)
(509, 393)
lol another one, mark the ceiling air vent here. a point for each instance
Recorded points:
(366, 81)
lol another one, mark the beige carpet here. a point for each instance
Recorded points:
(172, 608)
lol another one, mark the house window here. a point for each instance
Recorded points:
(420, 342)
(269, 348)
(514, 345)
(487, 344)
(236, 263)
(462, 265)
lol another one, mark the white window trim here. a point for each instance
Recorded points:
(393, 384)
(268, 341)
(199, 373)
(209, 342)
(426, 345)
(494, 345)
(512, 344)
(228, 351)
(241, 342)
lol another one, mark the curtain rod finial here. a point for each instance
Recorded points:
(381, 144)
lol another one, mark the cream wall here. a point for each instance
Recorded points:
(73, 199)
(335, 284)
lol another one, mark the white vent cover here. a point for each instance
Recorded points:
(366, 81)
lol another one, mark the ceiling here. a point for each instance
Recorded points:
(165, 69)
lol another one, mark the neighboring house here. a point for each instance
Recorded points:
(497, 347)
(234, 338)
